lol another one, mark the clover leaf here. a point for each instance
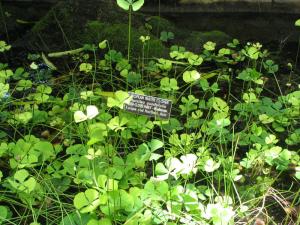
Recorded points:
(191, 76)
(91, 112)
(86, 67)
(249, 74)
(23, 85)
(23, 182)
(87, 201)
(134, 4)
(209, 46)
(106, 183)
(4, 46)
(117, 123)
(165, 36)
(117, 200)
(5, 214)
(195, 60)
(167, 84)
(97, 133)
(119, 99)
(210, 165)
(5, 74)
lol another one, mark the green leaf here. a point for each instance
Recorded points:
(164, 64)
(3, 90)
(218, 104)
(265, 119)
(23, 182)
(271, 139)
(224, 51)
(191, 76)
(123, 4)
(137, 5)
(76, 218)
(23, 85)
(292, 139)
(34, 66)
(160, 169)
(4, 47)
(79, 116)
(157, 189)
(297, 23)
(249, 74)
(20, 73)
(172, 124)
(165, 36)
(270, 66)
(85, 67)
(133, 77)
(250, 97)
(97, 133)
(204, 84)
(120, 98)
(189, 104)
(5, 74)
(44, 89)
(41, 97)
(104, 221)
(253, 52)
(215, 87)
(118, 200)
(271, 154)
(5, 214)
(86, 94)
(103, 44)
(106, 183)
(211, 165)
(126, 4)
(117, 123)
(87, 201)
(141, 155)
(195, 60)
(46, 149)
(209, 46)
(24, 117)
(155, 144)
(155, 157)
(167, 84)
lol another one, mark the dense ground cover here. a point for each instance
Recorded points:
(229, 153)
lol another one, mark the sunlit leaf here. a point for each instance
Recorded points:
(79, 116)
(91, 111)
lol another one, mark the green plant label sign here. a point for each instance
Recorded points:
(149, 106)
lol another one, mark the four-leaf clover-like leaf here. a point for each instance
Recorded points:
(134, 4)
(91, 112)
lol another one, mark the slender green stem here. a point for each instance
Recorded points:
(129, 33)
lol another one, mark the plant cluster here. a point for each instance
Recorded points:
(71, 154)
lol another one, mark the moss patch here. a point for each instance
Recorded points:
(197, 39)
(117, 35)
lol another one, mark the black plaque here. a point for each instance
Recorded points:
(149, 106)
